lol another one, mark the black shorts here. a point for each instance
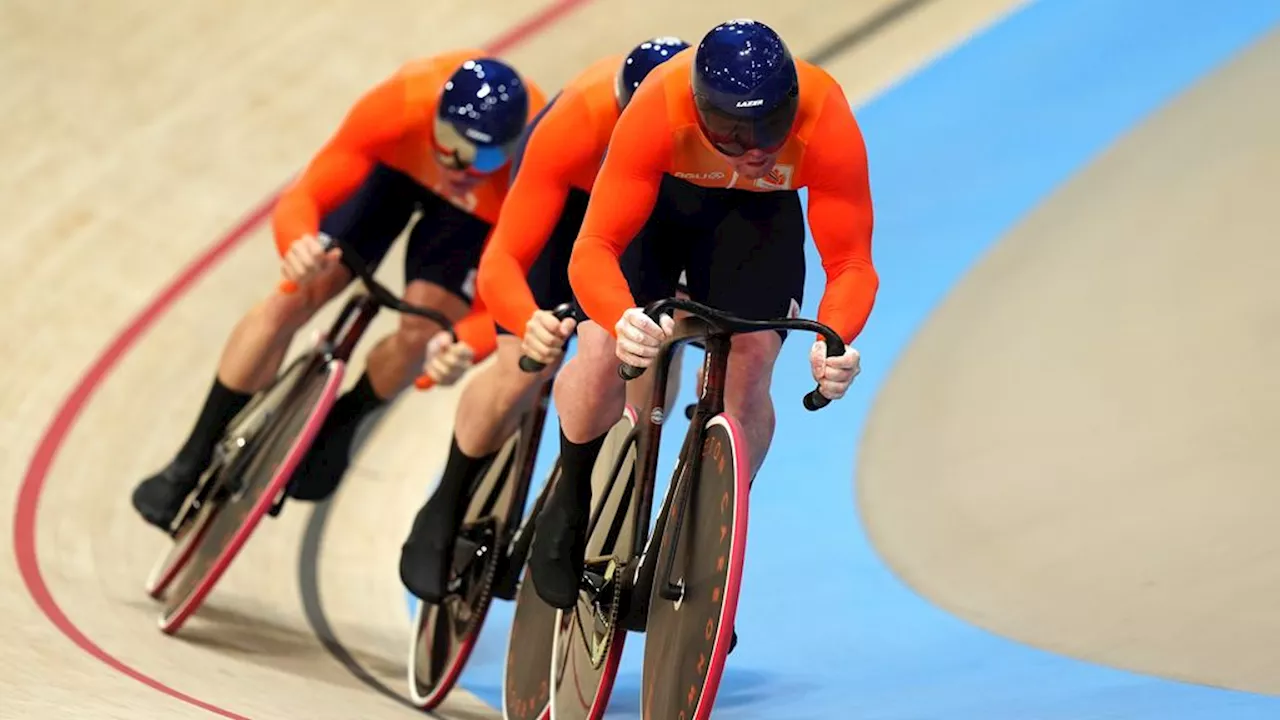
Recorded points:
(742, 252)
(444, 244)
(548, 278)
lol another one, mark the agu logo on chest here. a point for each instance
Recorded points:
(710, 175)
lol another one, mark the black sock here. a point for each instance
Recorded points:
(460, 471)
(576, 463)
(220, 407)
(356, 403)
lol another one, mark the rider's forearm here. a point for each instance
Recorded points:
(529, 216)
(477, 332)
(849, 297)
(331, 178)
(597, 281)
(840, 219)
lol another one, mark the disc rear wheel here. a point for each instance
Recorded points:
(689, 634)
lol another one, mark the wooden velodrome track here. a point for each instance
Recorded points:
(134, 135)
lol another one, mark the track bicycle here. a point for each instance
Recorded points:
(256, 456)
(680, 584)
(489, 557)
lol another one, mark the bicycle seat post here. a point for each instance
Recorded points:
(715, 364)
(351, 324)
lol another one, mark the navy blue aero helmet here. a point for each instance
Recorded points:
(483, 108)
(643, 58)
(745, 87)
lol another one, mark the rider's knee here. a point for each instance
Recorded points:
(415, 332)
(511, 384)
(751, 362)
(597, 351)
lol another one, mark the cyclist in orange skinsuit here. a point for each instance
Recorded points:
(435, 137)
(703, 171)
(523, 278)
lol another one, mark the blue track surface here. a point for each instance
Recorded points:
(959, 152)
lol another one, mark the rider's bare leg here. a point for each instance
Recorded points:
(746, 390)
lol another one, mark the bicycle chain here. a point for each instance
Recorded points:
(486, 586)
(482, 599)
(612, 624)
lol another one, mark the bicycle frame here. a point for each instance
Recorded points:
(360, 310)
(647, 436)
(714, 330)
(524, 458)
(346, 330)
(527, 456)
(349, 327)
(338, 343)
(516, 536)
(518, 541)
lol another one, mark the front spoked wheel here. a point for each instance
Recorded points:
(445, 634)
(695, 593)
(249, 487)
(588, 638)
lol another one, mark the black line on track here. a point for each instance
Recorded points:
(864, 31)
(313, 608)
(309, 555)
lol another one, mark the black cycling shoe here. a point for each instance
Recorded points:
(159, 498)
(425, 555)
(556, 557)
(326, 462)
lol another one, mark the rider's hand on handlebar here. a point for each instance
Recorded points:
(834, 374)
(447, 361)
(305, 258)
(640, 338)
(545, 336)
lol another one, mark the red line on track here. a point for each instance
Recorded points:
(26, 509)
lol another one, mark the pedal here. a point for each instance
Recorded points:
(464, 551)
(595, 583)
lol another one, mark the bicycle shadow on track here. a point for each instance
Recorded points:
(279, 646)
(240, 632)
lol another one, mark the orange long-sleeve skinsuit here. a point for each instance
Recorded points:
(658, 134)
(563, 153)
(392, 125)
